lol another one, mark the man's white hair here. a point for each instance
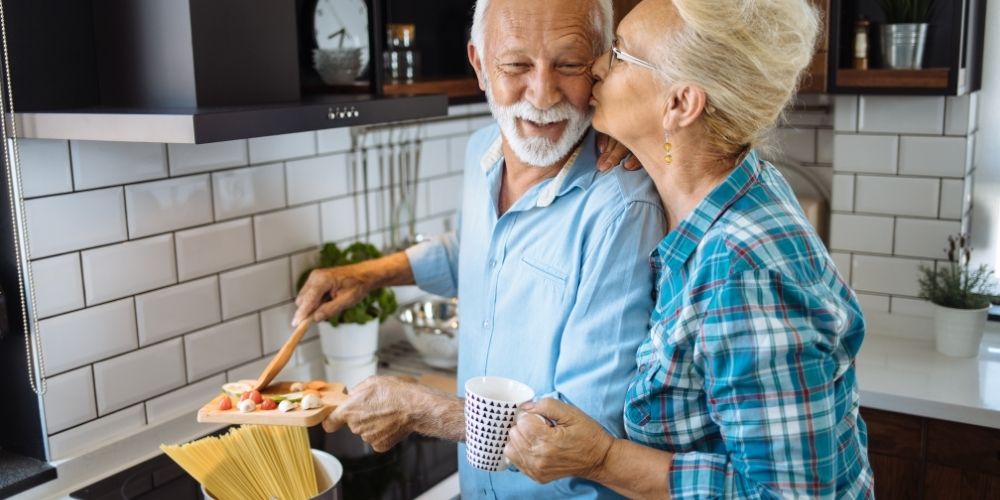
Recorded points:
(602, 20)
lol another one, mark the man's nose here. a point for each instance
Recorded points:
(543, 89)
(599, 68)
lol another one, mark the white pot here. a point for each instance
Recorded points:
(350, 373)
(329, 472)
(958, 332)
(349, 341)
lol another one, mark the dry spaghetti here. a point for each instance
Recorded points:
(251, 462)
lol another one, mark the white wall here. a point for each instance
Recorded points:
(986, 202)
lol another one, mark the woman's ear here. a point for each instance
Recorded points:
(684, 105)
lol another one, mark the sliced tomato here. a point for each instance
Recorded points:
(225, 404)
(256, 397)
(268, 404)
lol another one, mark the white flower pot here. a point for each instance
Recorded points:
(349, 341)
(958, 332)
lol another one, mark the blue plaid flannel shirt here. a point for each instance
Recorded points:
(748, 373)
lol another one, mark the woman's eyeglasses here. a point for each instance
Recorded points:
(617, 53)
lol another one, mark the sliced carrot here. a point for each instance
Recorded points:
(316, 385)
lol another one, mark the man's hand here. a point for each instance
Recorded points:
(345, 286)
(575, 447)
(382, 410)
(612, 153)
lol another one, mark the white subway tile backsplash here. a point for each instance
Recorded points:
(445, 195)
(796, 144)
(97, 433)
(139, 375)
(184, 400)
(301, 262)
(932, 156)
(889, 275)
(179, 309)
(128, 268)
(100, 164)
(58, 285)
(444, 128)
(251, 370)
(338, 219)
(69, 400)
(871, 304)
(248, 191)
(843, 193)
(912, 307)
(843, 262)
(924, 238)
(970, 153)
(214, 248)
(276, 327)
(71, 222)
(157, 207)
(861, 233)
(334, 140)
(845, 113)
(875, 154)
(197, 158)
(897, 196)
(78, 338)
(456, 153)
(901, 115)
(281, 233)
(282, 147)
(434, 157)
(952, 191)
(222, 347)
(316, 179)
(45, 167)
(255, 287)
(958, 115)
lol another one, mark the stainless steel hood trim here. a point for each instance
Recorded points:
(204, 125)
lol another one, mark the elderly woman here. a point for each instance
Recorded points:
(746, 385)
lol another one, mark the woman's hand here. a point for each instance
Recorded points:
(611, 153)
(576, 446)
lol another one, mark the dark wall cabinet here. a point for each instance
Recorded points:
(916, 457)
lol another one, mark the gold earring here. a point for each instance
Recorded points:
(668, 147)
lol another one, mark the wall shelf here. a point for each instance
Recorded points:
(931, 78)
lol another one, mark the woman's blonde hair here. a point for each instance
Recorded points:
(747, 55)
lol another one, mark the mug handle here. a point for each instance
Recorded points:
(505, 463)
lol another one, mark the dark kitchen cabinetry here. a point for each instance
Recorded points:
(952, 63)
(916, 457)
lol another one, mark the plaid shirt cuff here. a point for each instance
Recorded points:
(699, 475)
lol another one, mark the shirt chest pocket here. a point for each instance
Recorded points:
(543, 279)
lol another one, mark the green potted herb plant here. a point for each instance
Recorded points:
(962, 297)
(350, 339)
(904, 34)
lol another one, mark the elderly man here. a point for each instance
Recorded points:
(547, 261)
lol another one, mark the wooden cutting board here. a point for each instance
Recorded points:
(332, 395)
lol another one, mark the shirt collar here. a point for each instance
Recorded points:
(578, 171)
(675, 250)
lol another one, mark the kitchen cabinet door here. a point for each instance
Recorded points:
(942, 482)
(895, 478)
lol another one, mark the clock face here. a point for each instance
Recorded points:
(342, 24)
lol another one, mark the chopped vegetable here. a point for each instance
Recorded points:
(293, 396)
(310, 401)
(256, 397)
(245, 396)
(268, 405)
(236, 389)
(247, 406)
(225, 404)
(297, 386)
(286, 406)
(316, 385)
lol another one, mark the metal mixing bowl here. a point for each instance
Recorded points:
(432, 327)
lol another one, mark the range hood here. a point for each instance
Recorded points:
(183, 71)
(212, 124)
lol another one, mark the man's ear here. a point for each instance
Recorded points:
(685, 104)
(477, 65)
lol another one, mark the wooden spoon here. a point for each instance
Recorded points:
(281, 358)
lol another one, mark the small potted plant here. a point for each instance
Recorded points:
(353, 334)
(961, 296)
(904, 34)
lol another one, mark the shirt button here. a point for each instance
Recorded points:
(486, 323)
(493, 263)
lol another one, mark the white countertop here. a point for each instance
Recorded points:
(909, 376)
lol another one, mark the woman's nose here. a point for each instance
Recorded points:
(599, 68)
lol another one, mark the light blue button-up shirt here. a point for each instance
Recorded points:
(556, 292)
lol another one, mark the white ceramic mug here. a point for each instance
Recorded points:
(491, 408)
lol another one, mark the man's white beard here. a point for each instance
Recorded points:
(540, 151)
